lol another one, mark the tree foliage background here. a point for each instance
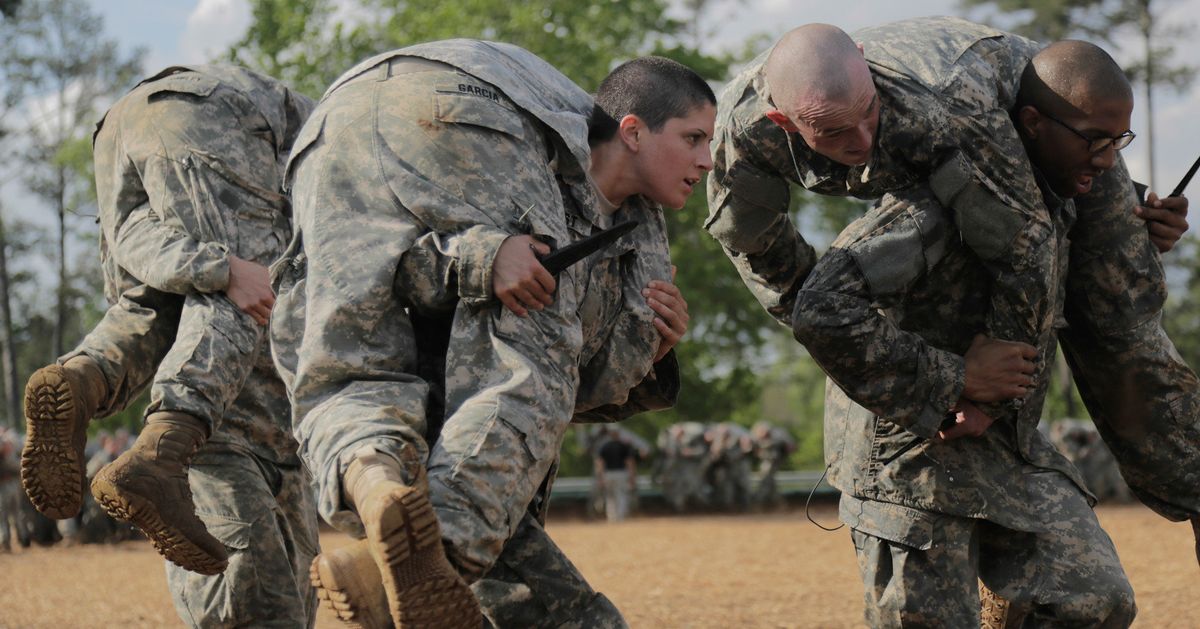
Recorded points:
(61, 71)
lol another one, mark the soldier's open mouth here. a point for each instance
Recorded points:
(1083, 184)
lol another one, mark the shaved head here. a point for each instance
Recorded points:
(1072, 77)
(820, 86)
(814, 64)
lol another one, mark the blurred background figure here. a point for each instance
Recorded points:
(683, 460)
(1080, 442)
(772, 446)
(616, 453)
(728, 470)
(70, 530)
(96, 526)
(12, 521)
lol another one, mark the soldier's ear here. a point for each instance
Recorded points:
(783, 121)
(630, 130)
(1029, 122)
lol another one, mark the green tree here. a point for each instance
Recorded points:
(9, 103)
(60, 71)
(70, 69)
(310, 42)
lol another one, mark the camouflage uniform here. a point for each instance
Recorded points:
(1140, 393)
(11, 497)
(466, 143)
(728, 469)
(683, 463)
(888, 312)
(1142, 396)
(772, 445)
(188, 171)
(944, 87)
(534, 585)
(1081, 443)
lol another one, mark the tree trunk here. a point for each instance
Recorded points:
(60, 316)
(8, 353)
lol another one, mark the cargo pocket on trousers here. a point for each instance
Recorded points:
(221, 600)
(892, 522)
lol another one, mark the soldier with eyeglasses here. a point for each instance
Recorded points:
(930, 102)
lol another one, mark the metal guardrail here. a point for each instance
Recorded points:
(790, 483)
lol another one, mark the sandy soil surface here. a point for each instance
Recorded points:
(703, 571)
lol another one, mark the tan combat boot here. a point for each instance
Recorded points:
(60, 400)
(997, 612)
(423, 590)
(148, 487)
(348, 582)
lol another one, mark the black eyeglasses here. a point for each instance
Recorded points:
(1097, 145)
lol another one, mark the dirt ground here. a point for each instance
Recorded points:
(703, 571)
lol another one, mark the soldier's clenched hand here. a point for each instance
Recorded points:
(1166, 220)
(969, 421)
(672, 309)
(518, 279)
(998, 370)
(250, 288)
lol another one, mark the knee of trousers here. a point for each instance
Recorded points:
(1108, 602)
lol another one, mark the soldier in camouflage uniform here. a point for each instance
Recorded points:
(728, 466)
(772, 446)
(484, 145)
(188, 177)
(892, 313)
(1138, 390)
(1081, 443)
(10, 492)
(684, 458)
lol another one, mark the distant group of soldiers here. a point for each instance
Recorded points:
(705, 466)
(21, 525)
(1082, 444)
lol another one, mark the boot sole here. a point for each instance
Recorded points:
(358, 600)
(52, 468)
(423, 589)
(167, 540)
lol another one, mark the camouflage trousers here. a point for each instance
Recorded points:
(683, 480)
(617, 495)
(924, 571)
(766, 492)
(533, 585)
(730, 481)
(264, 514)
(198, 351)
(11, 518)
